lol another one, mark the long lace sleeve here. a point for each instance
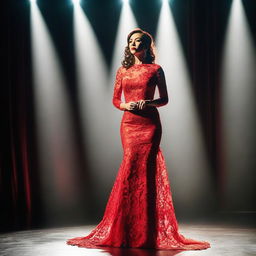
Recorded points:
(118, 89)
(161, 84)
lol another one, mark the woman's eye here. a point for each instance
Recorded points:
(138, 40)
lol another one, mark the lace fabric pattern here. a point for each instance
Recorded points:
(140, 211)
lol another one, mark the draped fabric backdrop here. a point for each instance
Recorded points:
(201, 26)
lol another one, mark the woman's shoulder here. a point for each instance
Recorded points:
(158, 69)
(120, 70)
(157, 66)
(154, 67)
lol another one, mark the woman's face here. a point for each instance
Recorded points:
(135, 43)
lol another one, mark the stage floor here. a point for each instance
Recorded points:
(225, 239)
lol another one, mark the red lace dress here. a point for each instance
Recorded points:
(139, 212)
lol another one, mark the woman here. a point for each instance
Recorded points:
(140, 212)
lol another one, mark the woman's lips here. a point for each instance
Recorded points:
(133, 48)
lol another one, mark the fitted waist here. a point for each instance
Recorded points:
(147, 115)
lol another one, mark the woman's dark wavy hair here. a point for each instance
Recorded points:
(148, 43)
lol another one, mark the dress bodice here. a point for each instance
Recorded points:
(138, 82)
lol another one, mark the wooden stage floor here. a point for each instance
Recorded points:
(225, 239)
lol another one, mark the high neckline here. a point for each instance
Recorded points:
(141, 64)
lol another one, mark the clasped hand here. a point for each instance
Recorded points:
(141, 104)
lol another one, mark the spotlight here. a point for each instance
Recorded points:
(76, 2)
(32, 1)
(126, 1)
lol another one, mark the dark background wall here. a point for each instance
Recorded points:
(201, 26)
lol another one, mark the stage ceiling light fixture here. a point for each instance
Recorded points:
(76, 2)
(168, 1)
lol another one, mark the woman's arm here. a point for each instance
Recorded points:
(116, 100)
(161, 83)
(118, 93)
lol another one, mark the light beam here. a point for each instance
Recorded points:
(183, 141)
(238, 106)
(57, 154)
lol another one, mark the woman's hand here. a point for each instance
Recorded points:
(132, 105)
(142, 104)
